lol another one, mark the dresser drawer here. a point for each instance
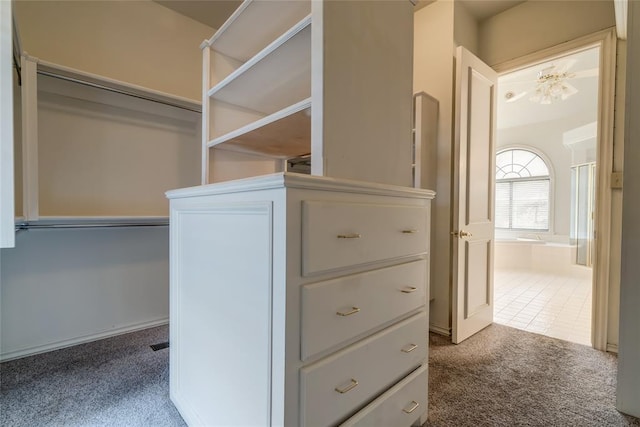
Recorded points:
(334, 387)
(337, 235)
(400, 406)
(337, 310)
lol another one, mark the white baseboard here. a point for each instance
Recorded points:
(440, 330)
(612, 348)
(80, 340)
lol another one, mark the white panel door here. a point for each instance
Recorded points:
(473, 210)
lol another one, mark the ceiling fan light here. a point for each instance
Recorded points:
(551, 84)
(567, 91)
(555, 90)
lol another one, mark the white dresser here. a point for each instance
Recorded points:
(299, 301)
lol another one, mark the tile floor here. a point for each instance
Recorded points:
(547, 304)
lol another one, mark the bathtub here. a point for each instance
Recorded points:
(538, 255)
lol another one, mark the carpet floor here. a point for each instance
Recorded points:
(509, 377)
(117, 381)
(499, 377)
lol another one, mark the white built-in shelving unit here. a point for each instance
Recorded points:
(257, 82)
(284, 79)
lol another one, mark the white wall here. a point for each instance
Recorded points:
(102, 153)
(433, 74)
(628, 393)
(363, 119)
(62, 287)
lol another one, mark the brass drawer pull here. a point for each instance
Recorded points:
(349, 236)
(409, 289)
(414, 405)
(352, 384)
(409, 231)
(353, 310)
(410, 348)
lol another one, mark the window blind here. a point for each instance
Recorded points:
(522, 204)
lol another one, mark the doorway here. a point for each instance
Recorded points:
(546, 154)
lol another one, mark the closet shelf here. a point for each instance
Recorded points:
(264, 21)
(284, 134)
(278, 76)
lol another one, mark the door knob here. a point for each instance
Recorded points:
(461, 234)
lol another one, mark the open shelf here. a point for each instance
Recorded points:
(275, 78)
(284, 134)
(255, 24)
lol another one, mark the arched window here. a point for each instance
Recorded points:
(522, 191)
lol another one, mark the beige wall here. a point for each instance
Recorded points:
(535, 25)
(433, 74)
(465, 28)
(138, 42)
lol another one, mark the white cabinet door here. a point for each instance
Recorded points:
(473, 209)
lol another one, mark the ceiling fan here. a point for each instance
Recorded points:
(550, 84)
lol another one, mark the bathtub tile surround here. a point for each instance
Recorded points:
(549, 256)
(555, 305)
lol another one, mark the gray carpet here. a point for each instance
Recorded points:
(499, 377)
(508, 377)
(118, 381)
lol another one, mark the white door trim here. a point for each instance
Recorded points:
(606, 40)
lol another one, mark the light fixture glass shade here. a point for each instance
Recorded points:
(552, 86)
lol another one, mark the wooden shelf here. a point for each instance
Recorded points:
(275, 78)
(284, 134)
(255, 24)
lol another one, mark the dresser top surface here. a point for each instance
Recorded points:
(283, 180)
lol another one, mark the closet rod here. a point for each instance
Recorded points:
(111, 89)
(30, 226)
